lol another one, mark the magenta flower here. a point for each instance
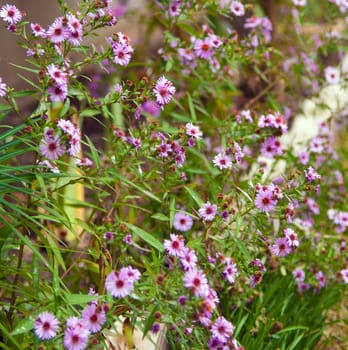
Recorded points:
(208, 211)
(203, 48)
(193, 131)
(196, 282)
(320, 278)
(188, 259)
(76, 335)
(164, 91)
(182, 222)
(231, 271)
(299, 275)
(46, 326)
(222, 329)
(291, 237)
(51, 148)
(344, 274)
(118, 285)
(237, 8)
(264, 201)
(57, 74)
(281, 247)
(10, 14)
(37, 29)
(222, 161)
(57, 32)
(58, 93)
(94, 317)
(175, 245)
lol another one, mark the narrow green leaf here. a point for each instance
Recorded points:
(24, 326)
(160, 217)
(192, 108)
(194, 195)
(76, 299)
(147, 237)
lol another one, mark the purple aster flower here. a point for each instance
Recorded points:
(58, 93)
(281, 247)
(76, 335)
(152, 108)
(155, 328)
(222, 161)
(188, 259)
(264, 201)
(344, 275)
(118, 284)
(174, 246)
(57, 32)
(231, 271)
(46, 326)
(320, 278)
(51, 148)
(222, 329)
(37, 29)
(299, 275)
(203, 48)
(108, 236)
(193, 131)
(57, 74)
(127, 239)
(237, 8)
(208, 211)
(182, 222)
(291, 237)
(94, 316)
(132, 273)
(196, 282)
(164, 91)
(10, 14)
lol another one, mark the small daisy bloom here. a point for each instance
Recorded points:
(197, 282)
(118, 284)
(76, 335)
(56, 74)
(175, 245)
(188, 259)
(10, 14)
(332, 75)
(37, 29)
(164, 91)
(299, 275)
(67, 126)
(94, 317)
(182, 222)
(291, 237)
(222, 161)
(208, 211)
(222, 329)
(264, 201)
(344, 274)
(57, 32)
(51, 148)
(281, 247)
(46, 326)
(58, 93)
(237, 8)
(193, 131)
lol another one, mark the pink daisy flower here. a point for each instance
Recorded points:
(332, 75)
(320, 278)
(164, 91)
(311, 175)
(67, 126)
(281, 247)
(182, 222)
(237, 8)
(222, 329)
(94, 317)
(118, 284)
(132, 273)
(208, 211)
(299, 275)
(58, 93)
(291, 237)
(222, 161)
(83, 162)
(188, 259)
(231, 271)
(57, 74)
(57, 32)
(51, 148)
(193, 131)
(76, 335)
(75, 145)
(175, 245)
(10, 14)
(264, 201)
(203, 48)
(197, 282)
(37, 29)
(46, 326)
